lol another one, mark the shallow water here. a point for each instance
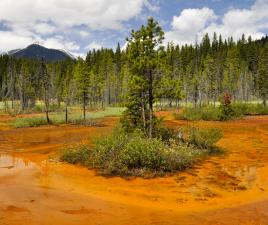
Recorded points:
(226, 189)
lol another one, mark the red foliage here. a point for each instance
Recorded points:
(227, 99)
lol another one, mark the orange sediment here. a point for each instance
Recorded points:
(227, 189)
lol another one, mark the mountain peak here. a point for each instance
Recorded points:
(37, 51)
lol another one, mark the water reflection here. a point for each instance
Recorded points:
(23, 171)
(9, 162)
(247, 175)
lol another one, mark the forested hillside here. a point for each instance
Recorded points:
(198, 73)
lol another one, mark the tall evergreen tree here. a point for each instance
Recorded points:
(82, 79)
(143, 51)
(45, 84)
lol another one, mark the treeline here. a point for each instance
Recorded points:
(198, 73)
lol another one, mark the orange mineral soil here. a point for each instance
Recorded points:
(231, 188)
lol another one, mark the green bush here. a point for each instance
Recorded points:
(121, 153)
(228, 113)
(221, 113)
(76, 154)
(124, 153)
(54, 107)
(164, 133)
(241, 109)
(203, 113)
(261, 110)
(38, 108)
(29, 122)
(210, 113)
(250, 109)
(202, 138)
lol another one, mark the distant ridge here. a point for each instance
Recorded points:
(37, 51)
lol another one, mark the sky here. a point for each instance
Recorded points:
(78, 26)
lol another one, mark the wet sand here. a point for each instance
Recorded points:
(228, 189)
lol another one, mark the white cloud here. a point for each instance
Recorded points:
(152, 6)
(84, 34)
(190, 22)
(59, 42)
(38, 20)
(93, 45)
(44, 28)
(97, 14)
(234, 22)
(10, 40)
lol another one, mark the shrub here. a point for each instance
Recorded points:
(250, 109)
(135, 154)
(202, 138)
(241, 109)
(204, 113)
(226, 108)
(124, 153)
(227, 113)
(76, 154)
(54, 107)
(29, 122)
(121, 153)
(261, 110)
(164, 133)
(210, 113)
(221, 113)
(38, 108)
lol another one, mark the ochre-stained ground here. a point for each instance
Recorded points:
(227, 189)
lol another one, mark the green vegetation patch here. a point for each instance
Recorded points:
(134, 154)
(203, 113)
(57, 119)
(220, 113)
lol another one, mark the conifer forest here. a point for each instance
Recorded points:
(198, 74)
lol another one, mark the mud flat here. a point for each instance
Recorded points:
(230, 189)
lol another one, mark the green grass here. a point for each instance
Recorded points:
(204, 113)
(75, 118)
(29, 122)
(211, 113)
(201, 138)
(2, 106)
(250, 109)
(133, 154)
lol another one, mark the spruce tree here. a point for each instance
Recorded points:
(81, 73)
(45, 83)
(143, 51)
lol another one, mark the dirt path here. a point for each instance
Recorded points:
(229, 189)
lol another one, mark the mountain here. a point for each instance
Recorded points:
(36, 51)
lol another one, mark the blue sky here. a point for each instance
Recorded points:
(81, 25)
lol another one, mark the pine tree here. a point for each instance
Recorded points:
(81, 73)
(143, 50)
(24, 85)
(45, 84)
(210, 73)
(68, 88)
